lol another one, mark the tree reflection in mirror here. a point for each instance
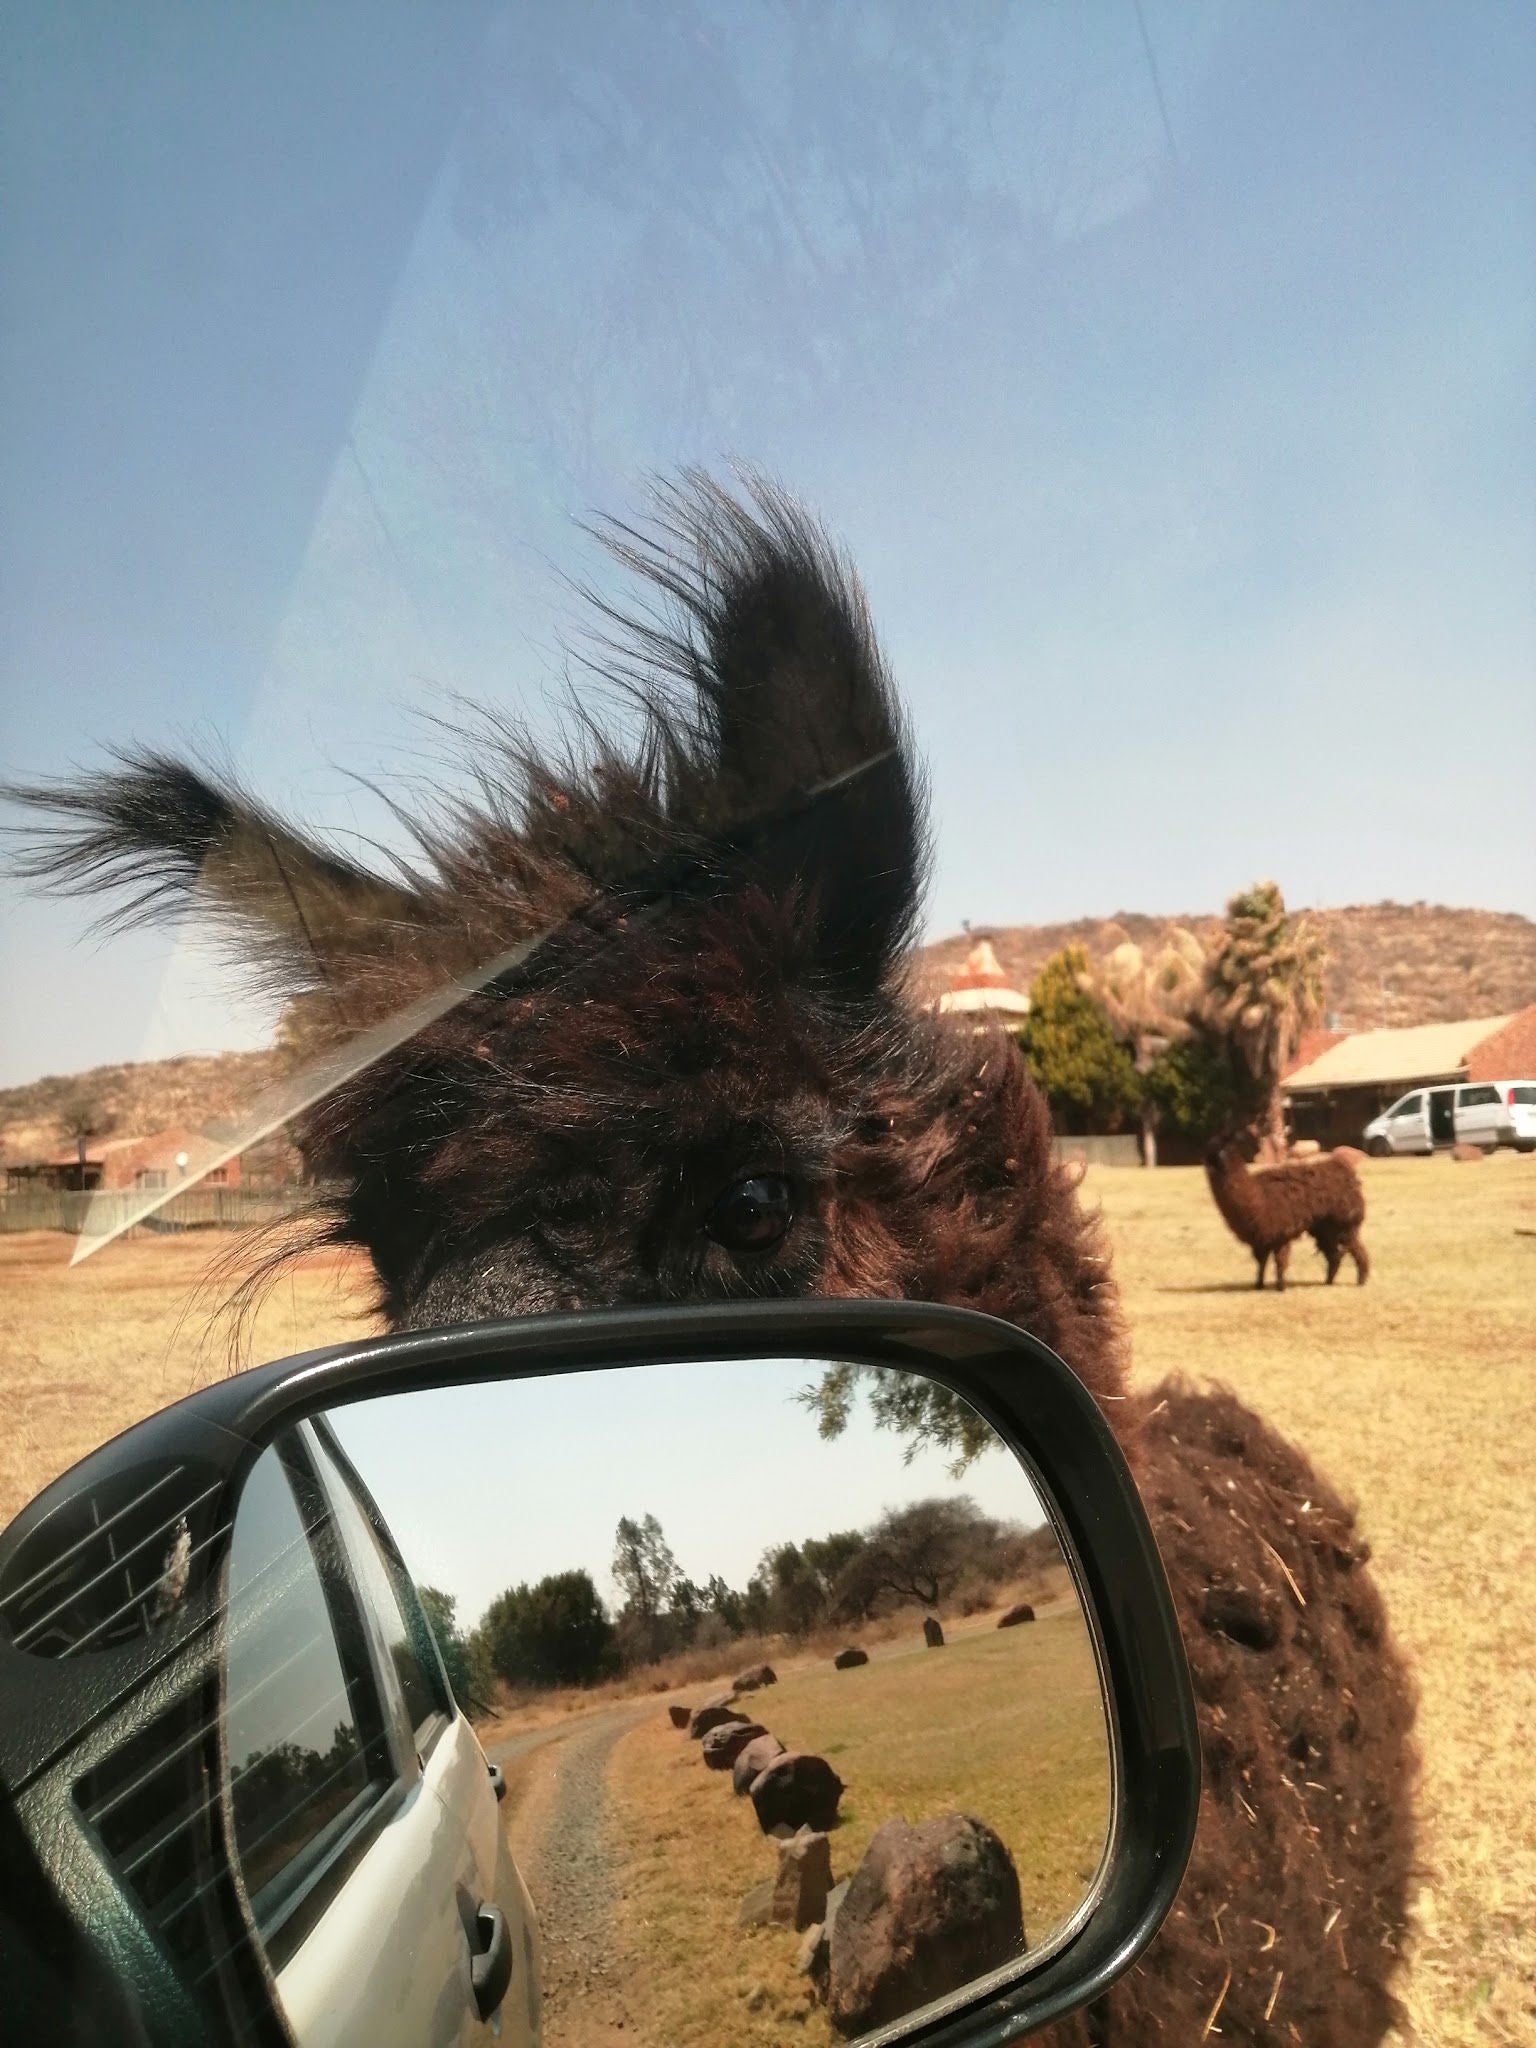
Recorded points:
(796, 1708)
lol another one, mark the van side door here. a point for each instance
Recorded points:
(1478, 1115)
(1442, 1116)
(1407, 1125)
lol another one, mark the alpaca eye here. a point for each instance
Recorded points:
(753, 1215)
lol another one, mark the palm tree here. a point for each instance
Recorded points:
(1264, 988)
(1150, 1000)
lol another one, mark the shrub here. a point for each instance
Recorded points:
(1084, 1072)
(552, 1633)
(452, 1646)
(1194, 1087)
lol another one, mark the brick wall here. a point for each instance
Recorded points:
(123, 1163)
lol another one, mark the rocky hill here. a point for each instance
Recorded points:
(202, 1092)
(1388, 963)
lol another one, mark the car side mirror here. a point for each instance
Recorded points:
(827, 1687)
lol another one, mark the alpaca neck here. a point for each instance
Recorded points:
(1232, 1185)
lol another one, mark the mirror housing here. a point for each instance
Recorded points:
(151, 1632)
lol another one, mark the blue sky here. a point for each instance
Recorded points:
(1172, 389)
(486, 1487)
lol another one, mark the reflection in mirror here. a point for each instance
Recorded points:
(791, 1696)
(795, 1708)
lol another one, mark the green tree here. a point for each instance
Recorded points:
(553, 1633)
(727, 1606)
(645, 1572)
(1150, 998)
(482, 1671)
(828, 1558)
(1194, 1087)
(1264, 987)
(643, 1565)
(1084, 1072)
(927, 1415)
(921, 1552)
(686, 1608)
(441, 1610)
(797, 1599)
(757, 1605)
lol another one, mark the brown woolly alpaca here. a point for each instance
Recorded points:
(1318, 1198)
(683, 1068)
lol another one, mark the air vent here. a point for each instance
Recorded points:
(152, 1807)
(106, 1568)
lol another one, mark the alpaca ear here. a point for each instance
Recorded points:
(796, 764)
(184, 842)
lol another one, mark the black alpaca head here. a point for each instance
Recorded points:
(675, 958)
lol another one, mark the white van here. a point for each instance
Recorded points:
(1486, 1113)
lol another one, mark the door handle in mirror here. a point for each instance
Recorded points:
(490, 1971)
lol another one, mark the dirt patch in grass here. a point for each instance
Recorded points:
(1005, 1725)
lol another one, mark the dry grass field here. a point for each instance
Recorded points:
(85, 1350)
(1007, 1726)
(1417, 1394)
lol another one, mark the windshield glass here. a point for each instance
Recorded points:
(1154, 382)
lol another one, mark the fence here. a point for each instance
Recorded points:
(205, 1208)
(200, 1208)
(1119, 1149)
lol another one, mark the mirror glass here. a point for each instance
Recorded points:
(794, 1714)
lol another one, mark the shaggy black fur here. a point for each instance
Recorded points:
(1318, 1198)
(682, 971)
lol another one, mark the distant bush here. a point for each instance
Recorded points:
(918, 1553)
(1195, 1087)
(553, 1633)
(452, 1646)
(558, 1634)
(1082, 1069)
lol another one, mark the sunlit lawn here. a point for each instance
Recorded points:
(1005, 1725)
(1416, 1393)
(87, 1349)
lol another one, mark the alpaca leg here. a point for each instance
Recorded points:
(1282, 1260)
(1263, 1258)
(1361, 1257)
(1327, 1242)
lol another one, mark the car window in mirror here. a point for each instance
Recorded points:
(787, 1659)
(304, 1736)
(406, 1642)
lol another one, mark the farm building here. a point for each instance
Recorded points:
(159, 1160)
(1341, 1081)
(981, 990)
